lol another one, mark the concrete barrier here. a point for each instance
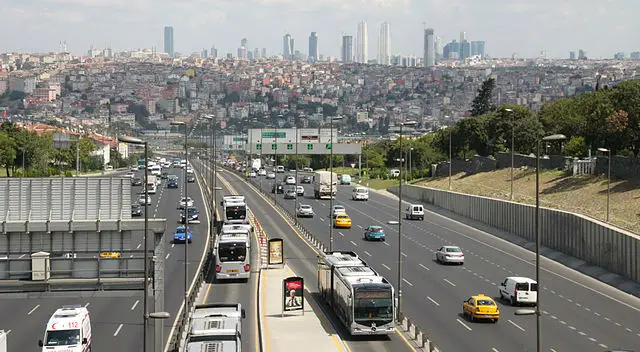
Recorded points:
(594, 242)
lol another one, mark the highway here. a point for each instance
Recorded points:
(579, 313)
(116, 317)
(302, 259)
(244, 293)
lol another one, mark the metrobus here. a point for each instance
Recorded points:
(232, 250)
(361, 298)
(234, 209)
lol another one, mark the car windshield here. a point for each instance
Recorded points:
(485, 302)
(192, 211)
(180, 230)
(452, 250)
(62, 337)
(376, 229)
(342, 217)
(305, 207)
(361, 190)
(338, 207)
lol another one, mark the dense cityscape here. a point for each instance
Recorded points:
(340, 238)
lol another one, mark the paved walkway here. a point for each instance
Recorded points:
(308, 331)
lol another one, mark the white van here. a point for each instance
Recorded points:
(279, 169)
(68, 329)
(345, 179)
(519, 290)
(156, 170)
(414, 211)
(394, 173)
(360, 193)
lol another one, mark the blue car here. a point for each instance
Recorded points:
(374, 233)
(179, 235)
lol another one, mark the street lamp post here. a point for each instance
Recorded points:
(296, 200)
(512, 148)
(158, 338)
(331, 189)
(410, 166)
(145, 310)
(275, 171)
(186, 221)
(450, 160)
(608, 151)
(213, 174)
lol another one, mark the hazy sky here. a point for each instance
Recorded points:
(601, 27)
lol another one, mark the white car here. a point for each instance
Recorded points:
(189, 170)
(252, 174)
(262, 172)
(360, 193)
(141, 200)
(338, 209)
(290, 180)
(450, 254)
(519, 290)
(130, 175)
(185, 203)
(300, 191)
(271, 176)
(304, 210)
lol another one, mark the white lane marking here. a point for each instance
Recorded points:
(321, 219)
(407, 282)
(386, 267)
(86, 305)
(386, 244)
(173, 245)
(603, 345)
(22, 256)
(341, 234)
(167, 257)
(432, 300)
(135, 304)
(117, 330)
(359, 226)
(34, 309)
(516, 325)
(403, 254)
(8, 331)
(463, 324)
(449, 282)
(367, 253)
(494, 349)
(552, 350)
(353, 243)
(139, 245)
(581, 333)
(424, 267)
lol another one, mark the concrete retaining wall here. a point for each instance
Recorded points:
(596, 243)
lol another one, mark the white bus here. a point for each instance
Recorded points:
(234, 210)
(361, 298)
(151, 184)
(156, 170)
(233, 252)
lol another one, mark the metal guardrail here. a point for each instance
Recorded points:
(417, 336)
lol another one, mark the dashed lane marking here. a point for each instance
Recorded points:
(367, 253)
(167, 257)
(34, 309)
(433, 301)
(463, 324)
(407, 282)
(386, 267)
(117, 330)
(424, 267)
(516, 325)
(133, 307)
(353, 243)
(449, 282)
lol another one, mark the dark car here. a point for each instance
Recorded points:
(172, 183)
(164, 175)
(136, 210)
(277, 188)
(136, 181)
(191, 178)
(305, 179)
(192, 213)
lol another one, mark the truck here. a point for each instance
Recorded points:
(256, 164)
(216, 327)
(151, 184)
(325, 184)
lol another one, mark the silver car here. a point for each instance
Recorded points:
(450, 254)
(304, 210)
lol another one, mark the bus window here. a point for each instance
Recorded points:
(236, 213)
(373, 306)
(232, 252)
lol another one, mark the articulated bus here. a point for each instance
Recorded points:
(233, 252)
(361, 298)
(234, 210)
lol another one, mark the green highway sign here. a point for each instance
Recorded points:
(328, 146)
(274, 146)
(274, 134)
(310, 146)
(240, 139)
(290, 146)
(258, 146)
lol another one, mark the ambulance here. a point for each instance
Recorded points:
(68, 330)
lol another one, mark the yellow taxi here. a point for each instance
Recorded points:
(343, 221)
(110, 255)
(481, 307)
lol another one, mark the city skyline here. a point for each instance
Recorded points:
(518, 30)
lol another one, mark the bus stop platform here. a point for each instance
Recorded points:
(283, 331)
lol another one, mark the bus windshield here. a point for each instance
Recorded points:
(373, 306)
(62, 337)
(232, 251)
(236, 213)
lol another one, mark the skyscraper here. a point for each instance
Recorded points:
(287, 47)
(242, 50)
(463, 41)
(214, 52)
(264, 53)
(384, 44)
(477, 48)
(347, 49)
(313, 47)
(429, 48)
(362, 46)
(256, 53)
(168, 41)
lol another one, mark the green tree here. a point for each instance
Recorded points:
(562, 117)
(482, 103)
(626, 97)
(521, 122)
(473, 135)
(576, 147)
(7, 152)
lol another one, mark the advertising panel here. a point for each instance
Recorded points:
(276, 253)
(292, 294)
(362, 116)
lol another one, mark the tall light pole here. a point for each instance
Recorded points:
(145, 310)
(512, 147)
(399, 223)
(296, 203)
(213, 173)
(410, 163)
(186, 220)
(331, 118)
(608, 151)
(275, 172)
(450, 160)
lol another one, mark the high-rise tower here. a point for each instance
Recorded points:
(384, 44)
(168, 41)
(362, 46)
(429, 48)
(313, 47)
(287, 47)
(347, 49)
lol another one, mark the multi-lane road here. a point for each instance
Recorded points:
(116, 317)
(578, 312)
